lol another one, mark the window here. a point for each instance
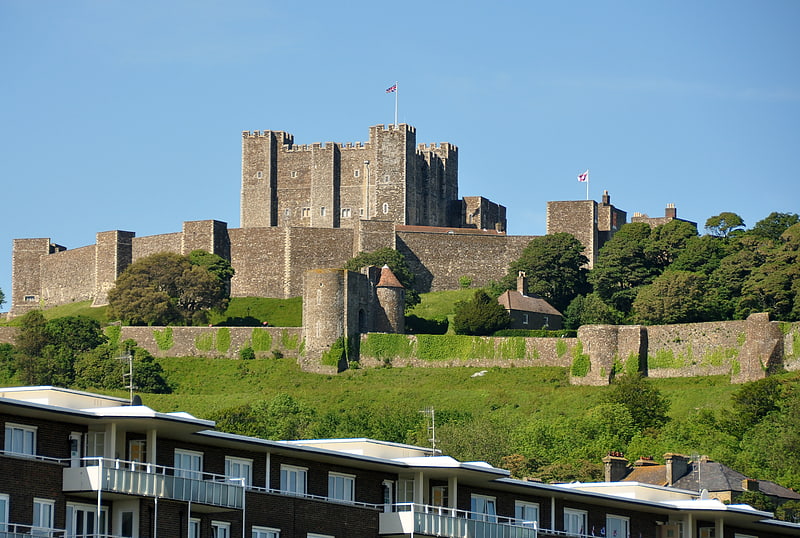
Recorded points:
(483, 508)
(574, 521)
(439, 496)
(405, 490)
(264, 532)
(239, 468)
(20, 439)
(617, 527)
(194, 528)
(385, 208)
(323, 211)
(95, 445)
(342, 487)
(361, 212)
(356, 173)
(527, 514)
(29, 298)
(82, 520)
(386, 178)
(293, 173)
(287, 213)
(126, 524)
(524, 319)
(42, 516)
(220, 529)
(293, 479)
(3, 512)
(137, 452)
(259, 174)
(346, 213)
(305, 212)
(188, 464)
(315, 535)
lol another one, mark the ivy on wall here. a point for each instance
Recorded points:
(163, 338)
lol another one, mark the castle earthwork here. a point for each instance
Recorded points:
(312, 207)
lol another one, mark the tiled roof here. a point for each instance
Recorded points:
(514, 300)
(388, 280)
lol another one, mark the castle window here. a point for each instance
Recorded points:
(361, 212)
(287, 213)
(293, 173)
(322, 211)
(386, 178)
(346, 213)
(259, 174)
(356, 173)
(306, 212)
(30, 298)
(385, 208)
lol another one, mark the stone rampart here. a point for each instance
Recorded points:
(153, 244)
(68, 276)
(438, 260)
(259, 257)
(215, 342)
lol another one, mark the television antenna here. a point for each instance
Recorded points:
(430, 412)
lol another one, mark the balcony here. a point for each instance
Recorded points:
(413, 519)
(148, 480)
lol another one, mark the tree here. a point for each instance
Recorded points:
(2, 298)
(647, 406)
(773, 226)
(622, 266)
(724, 224)
(555, 268)
(668, 241)
(166, 288)
(32, 335)
(396, 262)
(673, 297)
(590, 309)
(480, 316)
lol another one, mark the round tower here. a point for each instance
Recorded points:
(392, 300)
(323, 309)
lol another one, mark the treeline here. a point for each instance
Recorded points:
(670, 273)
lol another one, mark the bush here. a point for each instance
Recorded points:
(247, 353)
(418, 325)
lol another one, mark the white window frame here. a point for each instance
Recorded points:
(300, 479)
(483, 508)
(90, 514)
(323, 211)
(572, 516)
(342, 487)
(293, 173)
(315, 535)
(624, 524)
(347, 213)
(26, 443)
(194, 527)
(522, 512)
(385, 207)
(265, 532)
(287, 212)
(246, 469)
(43, 516)
(356, 172)
(181, 471)
(29, 298)
(5, 500)
(220, 529)
(439, 495)
(405, 490)
(524, 318)
(95, 445)
(305, 212)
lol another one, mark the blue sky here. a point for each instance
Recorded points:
(128, 115)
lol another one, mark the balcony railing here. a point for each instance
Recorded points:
(150, 480)
(410, 518)
(17, 530)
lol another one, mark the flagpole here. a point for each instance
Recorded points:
(587, 184)
(396, 91)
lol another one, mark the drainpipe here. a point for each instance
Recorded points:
(155, 518)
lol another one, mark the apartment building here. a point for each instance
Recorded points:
(76, 464)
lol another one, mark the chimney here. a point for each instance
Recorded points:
(606, 198)
(677, 466)
(644, 461)
(748, 484)
(616, 467)
(671, 212)
(522, 283)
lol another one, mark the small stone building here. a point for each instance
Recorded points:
(529, 311)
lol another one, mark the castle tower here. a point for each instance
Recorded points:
(391, 301)
(260, 177)
(113, 254)
(26, 273)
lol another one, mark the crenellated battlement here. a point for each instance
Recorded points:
(392, 127)
(442, 147)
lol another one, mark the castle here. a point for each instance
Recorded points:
(306, 207)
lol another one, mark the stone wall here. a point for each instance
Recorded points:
(215, 342)
(438, 260)
(153, 244)
(68, 276)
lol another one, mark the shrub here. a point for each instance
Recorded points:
(247, 353)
